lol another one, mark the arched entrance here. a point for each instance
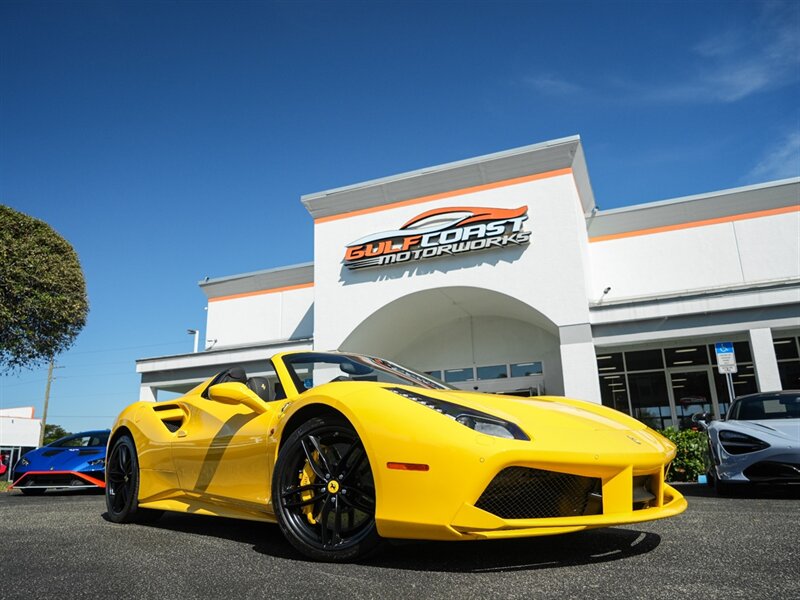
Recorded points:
(474, 338)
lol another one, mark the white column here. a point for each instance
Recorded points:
(764, 361)
(579, 363)
(148, 394)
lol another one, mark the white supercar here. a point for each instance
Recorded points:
(758, 442)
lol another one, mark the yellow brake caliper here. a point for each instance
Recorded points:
(307, 477)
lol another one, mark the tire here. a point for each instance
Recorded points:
(723, 488)
(122, 484)
(711, 478)
(33, 492)
(323, 492)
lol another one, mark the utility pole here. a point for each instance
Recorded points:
(46, 401)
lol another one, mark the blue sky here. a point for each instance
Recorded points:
(170, 141)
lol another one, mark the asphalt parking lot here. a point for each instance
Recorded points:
(747, 546)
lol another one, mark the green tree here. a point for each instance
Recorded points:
(43, 303)
(53, 433)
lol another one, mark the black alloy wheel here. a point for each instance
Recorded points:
(323, 492)
(122, 484)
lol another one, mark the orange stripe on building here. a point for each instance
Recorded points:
(729, 219)
(450, 194)
(287, 288)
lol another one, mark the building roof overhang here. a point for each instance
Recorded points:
(546, 157)
(700, 209)
(281, 278)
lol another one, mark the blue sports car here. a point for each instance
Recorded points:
(77, 461)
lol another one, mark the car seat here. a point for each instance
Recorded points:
(234, 374)
(260, 385)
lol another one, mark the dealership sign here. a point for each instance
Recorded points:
(441, 232)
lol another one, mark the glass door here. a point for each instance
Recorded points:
(692, 392)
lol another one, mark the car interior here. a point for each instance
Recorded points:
(259, 385)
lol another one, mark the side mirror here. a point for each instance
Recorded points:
(703, 419)
(236, 393)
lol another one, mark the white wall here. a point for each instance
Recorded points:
(547, 275)
(19, 431)
(724, 254)
(485, 341)
(264, 317)
(769, 247)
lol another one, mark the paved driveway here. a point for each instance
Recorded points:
(741, 547)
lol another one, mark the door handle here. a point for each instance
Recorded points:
(181, 433)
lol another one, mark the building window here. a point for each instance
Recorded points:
(457, 375)
(786, 348)
(614, 392)
(786, 351)
(692, 393)
(790, 374)
(526, 369)
(686, 357)
(644, 360)
(652, 385)
(649, 399)
(610, 363)
(492, 372)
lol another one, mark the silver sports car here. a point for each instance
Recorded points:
(758, 442)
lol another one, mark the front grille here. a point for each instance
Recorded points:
(58, 480)
(523, 493)
(769, 471)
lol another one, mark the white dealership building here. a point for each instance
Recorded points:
(500, 274)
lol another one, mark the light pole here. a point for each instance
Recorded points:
(196, 334)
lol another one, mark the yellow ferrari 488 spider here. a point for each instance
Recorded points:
(342, 450)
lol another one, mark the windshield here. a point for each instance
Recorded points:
(310, 369)
(96, 438)
(759, 408)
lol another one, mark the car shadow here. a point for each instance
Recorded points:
(548, 552)
(265, 538)
(743, 491)
(523, 554)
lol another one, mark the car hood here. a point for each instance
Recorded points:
(788, 429)
(62, 459)
(549, 420)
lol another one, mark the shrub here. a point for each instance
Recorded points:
(690, 461)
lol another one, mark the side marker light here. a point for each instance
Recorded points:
(407, 466)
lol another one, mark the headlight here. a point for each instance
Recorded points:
(97, 462)
(474, 419)
(740, 443)
(23, 462)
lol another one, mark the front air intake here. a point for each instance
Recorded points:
(523, 493)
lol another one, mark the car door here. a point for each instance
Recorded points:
(220, 452)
